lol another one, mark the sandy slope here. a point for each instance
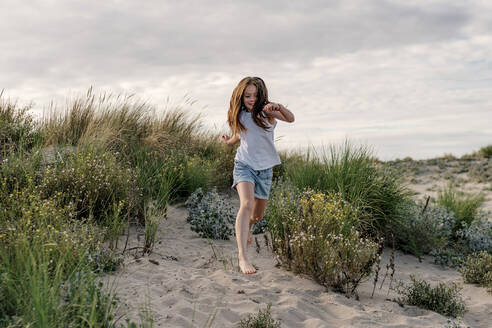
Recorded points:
(196, 284)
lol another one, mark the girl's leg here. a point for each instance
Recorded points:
(258, 212)
(246, 207)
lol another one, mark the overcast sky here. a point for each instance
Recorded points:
(408, 78)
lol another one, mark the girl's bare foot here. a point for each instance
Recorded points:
(246, 267)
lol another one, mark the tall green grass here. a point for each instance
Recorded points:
(18, 130)
(51, 248)
(171, 153)
(464, 205)
(352, 172)
(119, 123)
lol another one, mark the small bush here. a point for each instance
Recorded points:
(443, 299)
(481, 170)
(451, 256)
(262, 320)
(317, 235)
(420, 231)
(18, 171)
(486, 151)
(210, 215)
(464, 205)
(477, 269)
(28, 221)
(18, 131)
(47, 265)
(478, 236)
(92, 182)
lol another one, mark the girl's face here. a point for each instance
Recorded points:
(249, 97)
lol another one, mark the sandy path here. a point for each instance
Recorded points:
(192, 287)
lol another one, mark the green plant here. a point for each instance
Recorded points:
(353, 173)
(261, 320)
(316, 234)
(153, 218)
(210, 215)
(451, 256)
(477, 269)
(443, 298)
(154, 174)
(18, 130)
(47, 265)
(420, 229)
(478, 235)
(93, 182)
(486, 151)
(464, 205)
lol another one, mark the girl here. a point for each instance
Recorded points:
(252, 119)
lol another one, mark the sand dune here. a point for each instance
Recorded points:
(196, 284)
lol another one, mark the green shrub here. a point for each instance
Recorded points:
(93, 182)
(419, 232)
(478, 235)
(262, 320)
(18, 131)
(29, 222)
(477, 269)
(196, 173)
(318, 236)
(210, 215)
(444, 299)
(47, 264)
(486, 151)
(353, 173)
(452, 256)
(481, 171)
(18, 171)
(464, 205)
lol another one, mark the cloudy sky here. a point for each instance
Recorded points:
(408, 78)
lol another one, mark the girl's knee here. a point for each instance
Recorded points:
(247, 205)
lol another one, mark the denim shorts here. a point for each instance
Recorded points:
(261, 179)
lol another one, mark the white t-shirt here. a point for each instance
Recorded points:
(257, 148)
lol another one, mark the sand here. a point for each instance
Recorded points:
(192, 282)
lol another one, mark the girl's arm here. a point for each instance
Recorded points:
(279, 112)
(230, 141)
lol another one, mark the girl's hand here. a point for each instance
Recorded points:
(271, 107)
(224, 138)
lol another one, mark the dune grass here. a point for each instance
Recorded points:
(352, 172)
(464, 205)
(115, 161)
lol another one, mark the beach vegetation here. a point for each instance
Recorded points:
(477, 269)
(420, 229)
(263, 319)
(210, 214)
(486, 151)
(352, 172)
(18, 129)
(464, 205)
(317, 234)
(443, 298)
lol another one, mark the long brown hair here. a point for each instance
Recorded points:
(237, 105)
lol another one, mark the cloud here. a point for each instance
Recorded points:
(359, 69)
